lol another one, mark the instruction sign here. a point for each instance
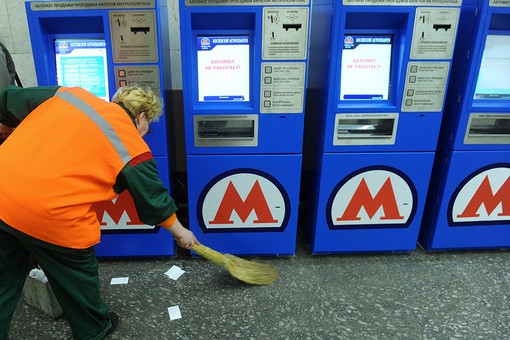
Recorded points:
(282, 87)
(425, 86)
(133, 36)
(285, 33)
(141, 75)
(434, 33)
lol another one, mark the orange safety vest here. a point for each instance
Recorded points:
(64, 157)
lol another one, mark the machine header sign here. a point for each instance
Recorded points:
(403, 2)
(97, 4)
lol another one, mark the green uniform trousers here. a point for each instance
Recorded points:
(72, 274)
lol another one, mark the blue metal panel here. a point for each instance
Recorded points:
(472, 209)
(370, 202)
(137, 240)
(235, 218)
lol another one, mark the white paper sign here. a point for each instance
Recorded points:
(174, 313)
(174, 273)
(434, 33)
(119, 281)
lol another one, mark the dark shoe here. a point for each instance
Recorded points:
(114, 318)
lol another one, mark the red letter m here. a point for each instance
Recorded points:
(232, 201)
(362, 198)
(483, 195)
(115, 209)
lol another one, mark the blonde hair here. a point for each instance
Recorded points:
(138, 99)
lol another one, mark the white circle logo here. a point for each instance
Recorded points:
(483, 198)
(374, 197)
(243, 200)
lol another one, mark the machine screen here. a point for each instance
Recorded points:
(366, 66)
(223, 68)
(82, 62)
(494, 75)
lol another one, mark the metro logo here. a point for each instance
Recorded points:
(254, 202)
(483, 198)
(243, 200)
(362, 198)
(120, 214)
(373, 197)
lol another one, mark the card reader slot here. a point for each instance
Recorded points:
(365, 128)
(234, 129)
(490, 127)
(226, 131)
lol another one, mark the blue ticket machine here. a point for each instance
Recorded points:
(101, 46)
(376, 94)
(469, 204)
(244, 78)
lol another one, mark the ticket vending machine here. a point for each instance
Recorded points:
(469, 205)
(376, 94)
(101, 46)
(244, 78)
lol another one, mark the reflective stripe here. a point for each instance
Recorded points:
(102, 123)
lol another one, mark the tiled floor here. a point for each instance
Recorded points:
(417, 295)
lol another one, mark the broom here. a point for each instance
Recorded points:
(250, 272)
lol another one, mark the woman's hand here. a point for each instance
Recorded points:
(184, 237)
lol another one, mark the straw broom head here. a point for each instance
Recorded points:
(251, 272)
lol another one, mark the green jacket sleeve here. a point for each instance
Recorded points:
(16, 102)
(152, 202)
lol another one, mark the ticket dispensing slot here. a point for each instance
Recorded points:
(217, 131)
(365, 129)
(488, 129)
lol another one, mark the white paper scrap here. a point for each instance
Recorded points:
(174, 273)
(174, 313)
(119, 281)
